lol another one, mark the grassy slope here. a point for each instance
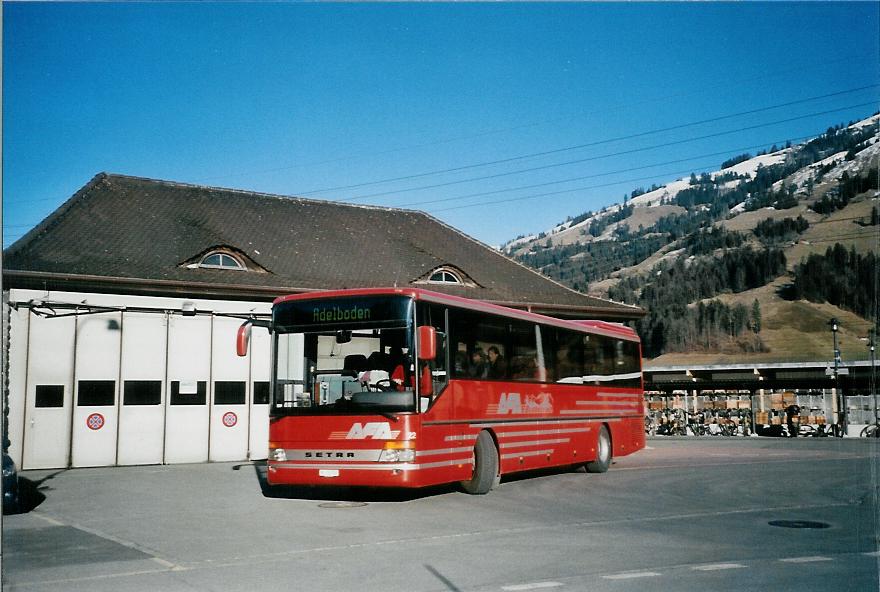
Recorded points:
(793, 331)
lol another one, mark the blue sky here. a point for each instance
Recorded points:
(332, 100)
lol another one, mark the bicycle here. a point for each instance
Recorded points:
(872, 430)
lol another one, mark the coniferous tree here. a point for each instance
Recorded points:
(756, 316)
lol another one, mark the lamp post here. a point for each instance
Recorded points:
(841, 400)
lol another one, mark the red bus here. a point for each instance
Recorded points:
(410, 388)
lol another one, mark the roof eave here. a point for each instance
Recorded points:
(43, 280)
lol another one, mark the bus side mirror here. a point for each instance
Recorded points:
(242, 339)
(427, 342)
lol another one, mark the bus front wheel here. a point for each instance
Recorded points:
(603, 453)
(485, 466)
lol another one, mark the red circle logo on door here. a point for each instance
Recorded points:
(230, 419)
(95, 421)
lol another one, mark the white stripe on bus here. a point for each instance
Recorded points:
(534, 443)
(442, 451)
(524, 454)
(544, 432)
(613, 403)
(460, 438)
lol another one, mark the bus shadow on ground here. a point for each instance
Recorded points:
(331, 493)
(31, 493)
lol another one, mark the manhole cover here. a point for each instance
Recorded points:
(342, 505)
(798, 524)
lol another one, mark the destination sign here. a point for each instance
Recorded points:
(338, 313)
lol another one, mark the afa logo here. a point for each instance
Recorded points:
(514, 404)
(377, 430)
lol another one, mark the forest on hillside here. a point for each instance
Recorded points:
(673, 326)
(842, 277)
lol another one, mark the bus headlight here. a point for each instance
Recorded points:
(279, 454)
(397, 452)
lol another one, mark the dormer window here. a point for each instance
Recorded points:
(447, 275)
(218, 260)
(224, 257)
(444, 275)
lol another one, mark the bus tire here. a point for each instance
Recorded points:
(603, 453)
(485, 466)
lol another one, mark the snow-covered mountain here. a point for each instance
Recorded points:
(653, 205)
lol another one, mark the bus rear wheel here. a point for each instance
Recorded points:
(603, 453)
(485, 475)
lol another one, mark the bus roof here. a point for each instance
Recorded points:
(592, 326)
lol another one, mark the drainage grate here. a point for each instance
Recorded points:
(798, 524)
(342, 505)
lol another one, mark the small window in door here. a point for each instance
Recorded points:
(187, 392)
(261, 393)
(96, 393)
(229, 392)
(142, 392)
(49, 395)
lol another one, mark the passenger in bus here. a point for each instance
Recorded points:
(478, 367)
(397, 364)
(524, 368)
(461, 363)
(497, 365)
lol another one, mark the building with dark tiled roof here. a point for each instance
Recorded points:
(121, 310)
(142, 236)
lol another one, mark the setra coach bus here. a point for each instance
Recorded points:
(404, 387)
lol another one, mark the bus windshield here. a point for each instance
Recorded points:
(343, 356)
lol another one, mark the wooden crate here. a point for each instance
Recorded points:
(776, 420)
(762, 417)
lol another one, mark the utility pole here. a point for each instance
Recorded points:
(841, 400)
(872, 344)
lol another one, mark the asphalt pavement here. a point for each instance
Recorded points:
(684, 514)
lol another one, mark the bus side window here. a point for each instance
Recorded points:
(569, 356)
(594, 357)
(523, 363)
